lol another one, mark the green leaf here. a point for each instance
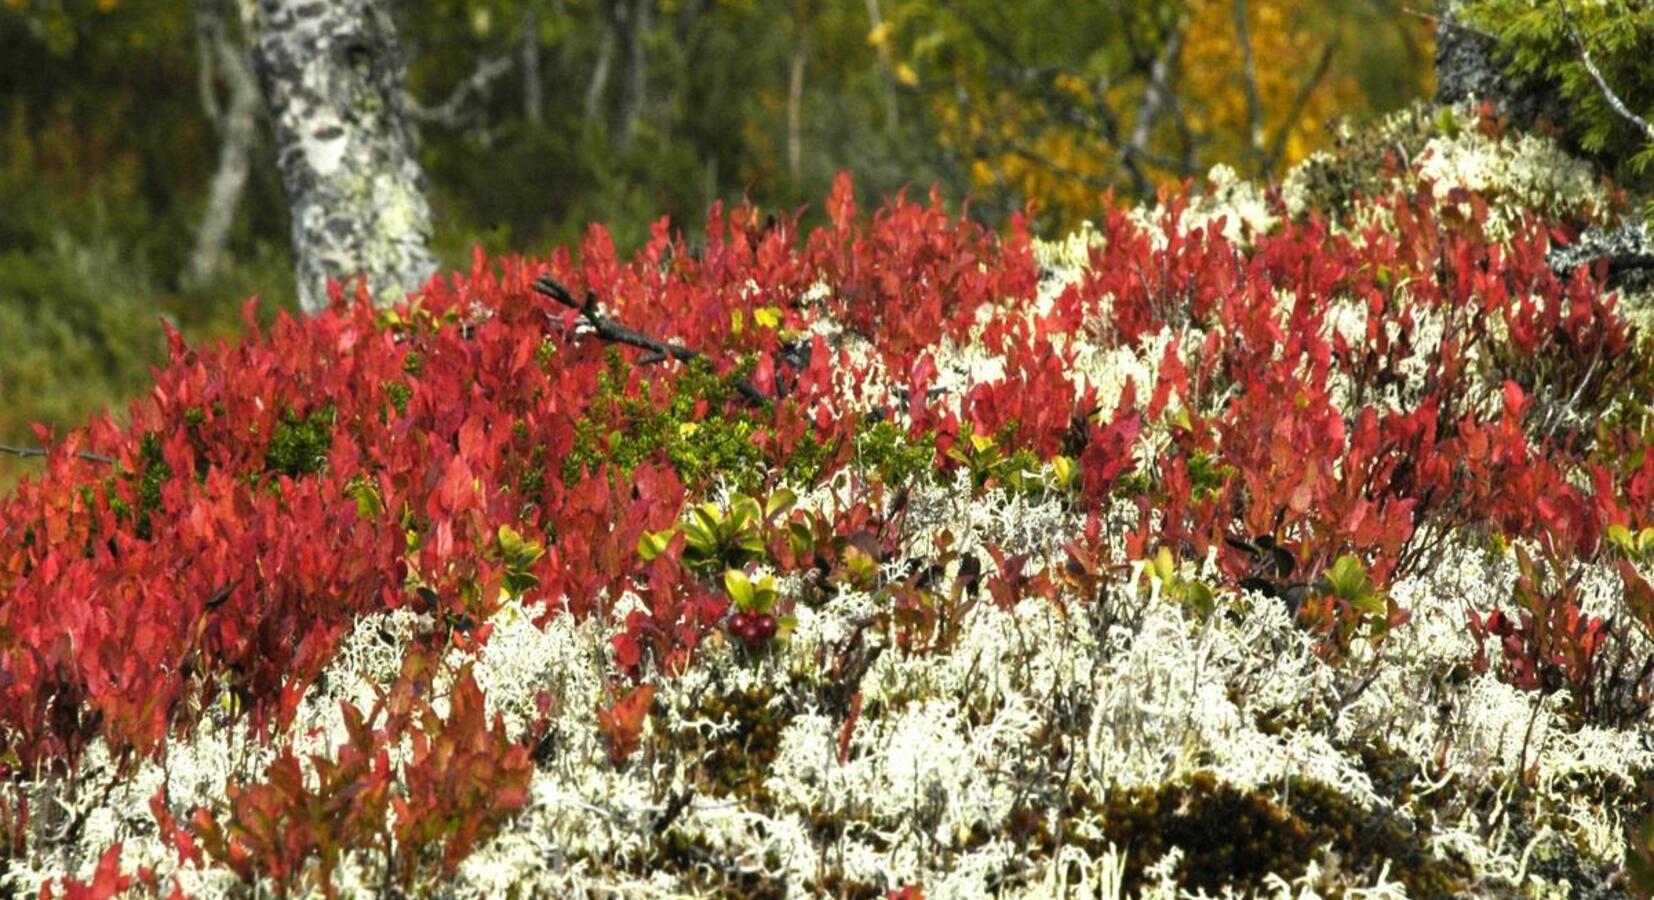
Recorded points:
(1163, 567)
(1064, 469)
(1181, 419)
(1348, 578)
(764, 595)
(861, 565)
(653, 543)
(1620, 536)
(1197, 596)
(780, 502)
(739, 588)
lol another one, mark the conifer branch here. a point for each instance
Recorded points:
(1613, 99)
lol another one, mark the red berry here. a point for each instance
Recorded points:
(765, 627)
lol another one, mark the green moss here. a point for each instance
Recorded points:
(1235, 837)
(626, 431)
(532, 482)
(300, 446)
(152, 473)
(735, 763)
(808, 461)
(398, 393)
(1207, 475)
(1134, 484)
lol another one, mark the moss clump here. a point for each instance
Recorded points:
(152, 472)
(1207, 475)
(1361, 161)
(398, 393)
(1228, 836)
(1234, 837)
(695, 433)
(300, 446)
(735, 763)
(706, 869)
(887, 453)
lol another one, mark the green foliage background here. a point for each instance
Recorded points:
(1545, 38)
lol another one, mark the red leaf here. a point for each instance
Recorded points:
(623, 722)
(1514, 398)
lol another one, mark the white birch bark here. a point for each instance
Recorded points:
(333, 75)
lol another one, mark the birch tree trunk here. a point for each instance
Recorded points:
(795, 97)
(534, 104)
(633, 19)
(333, 75)
(238, 127)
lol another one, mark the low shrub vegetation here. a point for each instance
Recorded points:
(1238, 543)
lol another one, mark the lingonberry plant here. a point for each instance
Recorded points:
(733, 466)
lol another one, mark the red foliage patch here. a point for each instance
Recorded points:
(266, 495)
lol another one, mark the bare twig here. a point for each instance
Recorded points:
(1602, 83)
(1249, 80)
(451, 113)
(1157, 94)
(675, 806)
(1447, 23)
(1323, 66)
(610, 331)
(37, 453)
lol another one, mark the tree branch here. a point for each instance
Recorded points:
(37, 453)
(451, 113)
(1602, 83)
(1323, 66)
(1157, 98)
(609, 330)
(238, 127)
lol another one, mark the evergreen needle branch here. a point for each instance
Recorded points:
(613, 332)
(1613, 99)
(38, 453)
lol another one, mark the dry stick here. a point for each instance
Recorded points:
(610, 331)
(1602, 83)
(37, 453)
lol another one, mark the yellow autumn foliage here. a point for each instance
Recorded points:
(1065, 140)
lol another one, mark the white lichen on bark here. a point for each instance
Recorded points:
(333, 76)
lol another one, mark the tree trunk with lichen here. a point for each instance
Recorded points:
(332, 73)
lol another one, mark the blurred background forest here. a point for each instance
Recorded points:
(137, 178)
